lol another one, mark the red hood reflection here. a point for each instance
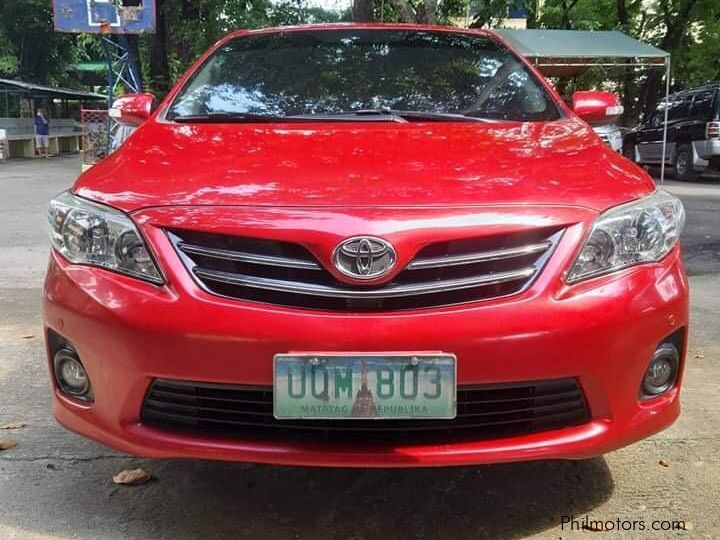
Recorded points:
(364, 164)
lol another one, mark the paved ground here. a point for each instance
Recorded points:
(55, 485)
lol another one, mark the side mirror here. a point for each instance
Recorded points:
(132, 109)
(597, 108)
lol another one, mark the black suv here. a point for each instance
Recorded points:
(693, 140)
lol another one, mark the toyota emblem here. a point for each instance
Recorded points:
(364, 257)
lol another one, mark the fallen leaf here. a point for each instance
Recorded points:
(132, 477)
(7, 444)
(29, 336)
(700, 354)
(663, 463)
(13, 425)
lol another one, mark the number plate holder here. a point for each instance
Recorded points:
(357, 386)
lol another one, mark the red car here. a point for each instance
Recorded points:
(365, 246)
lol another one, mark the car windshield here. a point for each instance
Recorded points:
(361, 74)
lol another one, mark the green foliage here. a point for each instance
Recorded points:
(29, 47)
(8, 56)
(490, 13)
(579, 15)
(697, 59)
(193, 25)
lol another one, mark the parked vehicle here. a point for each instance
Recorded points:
(610, 135)
(605, 125)
(693, 133)
(365, 246)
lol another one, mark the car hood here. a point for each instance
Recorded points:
(364, 164)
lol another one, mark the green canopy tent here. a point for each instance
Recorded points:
(558, 53)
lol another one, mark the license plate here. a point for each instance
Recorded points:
(322, 386)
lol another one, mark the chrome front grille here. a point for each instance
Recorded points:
(442, 273)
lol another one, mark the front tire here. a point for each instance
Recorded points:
(684, 164)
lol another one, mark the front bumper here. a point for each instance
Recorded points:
(603, 332)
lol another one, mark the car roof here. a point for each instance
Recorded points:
(710, 86)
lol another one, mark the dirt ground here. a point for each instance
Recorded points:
(56, 485)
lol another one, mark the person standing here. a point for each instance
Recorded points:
(42, 132)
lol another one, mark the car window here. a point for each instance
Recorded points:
(702, 104)
(679, 107)
(325, 72)
(659, 115)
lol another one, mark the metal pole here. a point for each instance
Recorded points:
(111, 70)
(665, 120)
(134, 76)
(111, 89)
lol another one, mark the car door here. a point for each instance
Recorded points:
(650, 144)
(678, 123)
(649, 138)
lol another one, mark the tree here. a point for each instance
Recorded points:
(30, 49)
(185, 28)
(363, 11)
(674, 16)
(491, 12)
(157, 54)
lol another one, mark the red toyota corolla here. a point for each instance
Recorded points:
(365, 246)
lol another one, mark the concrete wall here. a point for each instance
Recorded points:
(20, 136)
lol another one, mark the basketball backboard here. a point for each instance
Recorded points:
(102, 16)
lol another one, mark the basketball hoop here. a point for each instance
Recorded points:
(104, 16)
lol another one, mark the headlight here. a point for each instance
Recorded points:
(89, 233)
(634, 233)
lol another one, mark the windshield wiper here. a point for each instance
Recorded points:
(227, 117)
(368, 115)
(418, 116)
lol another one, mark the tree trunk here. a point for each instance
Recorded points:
(405, 11)
(629, 116)
(362, 11)
(565, 21)
(426, 12)
(533, 14)
(159, 66)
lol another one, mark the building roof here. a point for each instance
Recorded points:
(567, 51)
(39, 90)
(97, 67)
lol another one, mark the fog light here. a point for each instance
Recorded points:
(662, 371)
(70, 374)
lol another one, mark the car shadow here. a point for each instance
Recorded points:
(196, 499)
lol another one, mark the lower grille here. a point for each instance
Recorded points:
(483, 412)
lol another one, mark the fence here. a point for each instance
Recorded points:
(94, 135)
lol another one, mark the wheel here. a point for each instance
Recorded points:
(684, 164)
(629, 152)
